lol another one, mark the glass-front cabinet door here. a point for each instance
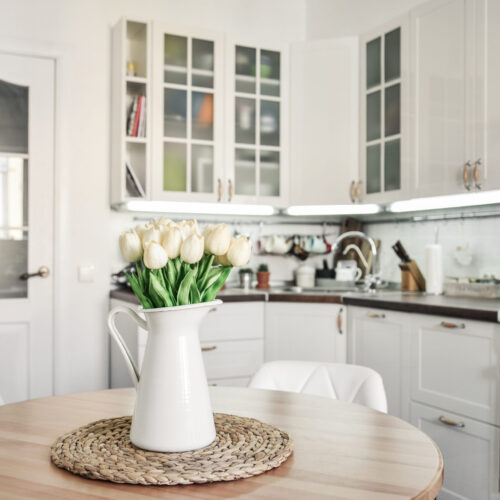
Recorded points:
(383, 103)
(188, 115)
(256, 123)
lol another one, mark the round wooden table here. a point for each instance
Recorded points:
(342, 450)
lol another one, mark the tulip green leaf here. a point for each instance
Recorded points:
(194, 293)
(184, 288)
(205, 269)
(211, 292)
(136, 287)
(158, 292)
(171, 273)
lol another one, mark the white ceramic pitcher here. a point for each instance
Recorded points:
(172, 409)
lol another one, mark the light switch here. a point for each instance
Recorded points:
(86, 274)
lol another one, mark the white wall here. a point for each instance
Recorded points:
(336, 18)
(81, 29)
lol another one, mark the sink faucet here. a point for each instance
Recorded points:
(371, 278)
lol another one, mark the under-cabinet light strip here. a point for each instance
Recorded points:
(364, 208)
(180, 207)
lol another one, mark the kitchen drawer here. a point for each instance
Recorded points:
(233, 359)
(470, 452)
(454, 365)
(234, 321)
(230, 382)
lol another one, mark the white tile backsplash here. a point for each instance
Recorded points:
(478, 237)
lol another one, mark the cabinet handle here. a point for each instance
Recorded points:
(211, 348)
(376, 315)
(475, 173)
(450, 422)
(358, 191)
(465, 175)
(447, 324)
(219, 189)
(339, 320)
(352, 191)
(229, 190)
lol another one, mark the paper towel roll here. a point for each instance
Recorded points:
(434, 269)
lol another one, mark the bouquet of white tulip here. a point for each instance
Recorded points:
(176, 265)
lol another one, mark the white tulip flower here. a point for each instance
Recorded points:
(163, 221)
(141, 228)
(207, 230)
(192, 248)
(218, 239)
(150, 234)
(188, 227)
(130, 246)
(239, 251)
(172, 241)
(154, 255)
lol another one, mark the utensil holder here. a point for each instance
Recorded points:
(412, 278)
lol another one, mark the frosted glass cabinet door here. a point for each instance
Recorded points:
(256, 153)
(383, 97)
(187, 80)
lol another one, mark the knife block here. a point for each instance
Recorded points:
(412, 279)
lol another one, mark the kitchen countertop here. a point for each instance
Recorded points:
(458, 307)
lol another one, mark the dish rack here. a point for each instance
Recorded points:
(485, 290)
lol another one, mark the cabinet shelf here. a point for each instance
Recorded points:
(183, 69)
(267, 81)
(136, 79)
(137, 140)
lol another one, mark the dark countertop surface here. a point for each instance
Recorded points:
(458, 307)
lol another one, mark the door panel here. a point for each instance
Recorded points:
(26, 226)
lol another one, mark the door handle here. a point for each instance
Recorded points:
(475, 173)
(448, 324)
(450, 422)
(211, 348)
(219, 190)
(352, 191)
(43, 272)
(358, 191)
(229, 190)
(465, 175)
(375, 315)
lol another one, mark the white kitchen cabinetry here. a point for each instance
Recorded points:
(470, 452)
(305, 332)
(188, 114)
(455, 366)
(232, 342)
(380, 340)
(324, 121)
(257, 121)
(448, 47)
(384, 113)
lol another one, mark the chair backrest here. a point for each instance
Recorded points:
(351, 383)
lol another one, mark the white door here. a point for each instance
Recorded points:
(324, 121)
(441, 55)
(26, 226)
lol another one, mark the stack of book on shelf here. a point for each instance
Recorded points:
(136, 122)
(134, 186)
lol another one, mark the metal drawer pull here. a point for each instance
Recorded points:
(452, 423)
(211, 348)
(447, 324)
(375, 315)
(212, 310)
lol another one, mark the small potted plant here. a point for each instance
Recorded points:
(263, 276)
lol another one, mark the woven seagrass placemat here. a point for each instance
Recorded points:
(243, 447)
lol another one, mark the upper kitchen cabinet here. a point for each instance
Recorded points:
(455, 102)
(188, 78)
(130, 105)
(257, 79)
(384, 117)
(324, 122)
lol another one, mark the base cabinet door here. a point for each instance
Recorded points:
(470, 452)
(379, 340)
(305, 332)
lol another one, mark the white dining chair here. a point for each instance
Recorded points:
(351, 383)
(1, 400)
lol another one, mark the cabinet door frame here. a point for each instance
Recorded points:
(383, 317)
(454, 181)
(283, 148)
(481, 430)
(383, 196)
(159, 30)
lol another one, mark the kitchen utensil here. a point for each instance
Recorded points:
(434, 268)
(347, 270)
(304, 276)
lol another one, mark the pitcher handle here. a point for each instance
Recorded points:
(122, 346)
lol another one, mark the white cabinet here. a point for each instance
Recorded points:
(305, 332)
(455, 366)
(257, 121)
(324, 121)
(470, 452)
(384, 113)
(380, 340)
(232, 342)
(188, 114)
